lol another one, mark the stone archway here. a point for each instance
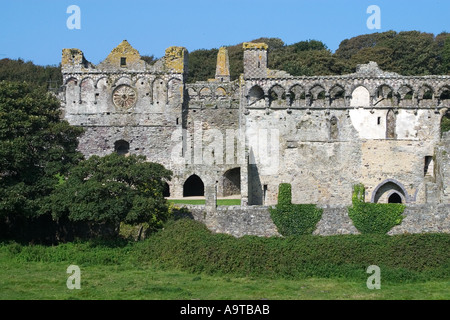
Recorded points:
(193, 187)
(385, 190)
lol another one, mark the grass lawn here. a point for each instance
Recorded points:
(220, 202)
(35, 280)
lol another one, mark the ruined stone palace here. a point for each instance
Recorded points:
(321, 134)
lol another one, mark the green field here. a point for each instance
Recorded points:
(31, 281)
(185, 261)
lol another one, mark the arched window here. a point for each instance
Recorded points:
(395, 198)
(255, 94)
(334, 131)
(389, 191)
(390, 125)
(360, 97)
(166, 191)
(193, 186)
(122, 147)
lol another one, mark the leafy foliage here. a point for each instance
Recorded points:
(373, 218)
(189, 245)
(284, 194)
(36, 147)
(407, 53)
(114, 189)
(294, 219)
(445, 123)
(48, 77)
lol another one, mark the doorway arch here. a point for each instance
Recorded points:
(193, 186)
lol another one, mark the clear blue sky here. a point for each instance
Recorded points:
(37, 31)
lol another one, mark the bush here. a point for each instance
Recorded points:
(373, 218)
(294, 219)
(284, 194)
(189, 245)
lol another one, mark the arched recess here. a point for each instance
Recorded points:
(205, 93)
(317, 94)
(122, 147)
(174, 91)
(334, 128)
(384, 96)
(220, 93)
(395, 197)
(337, 95)
(445, 122)
(232, 182)
(391, 125)
(193, 187)
(166, 190)
(256, 96)
(383, 192)
(360, 97)
(277, 96)
(72, 91)
(297, 95)
(444, 93)
(87, 88)
(159, 92)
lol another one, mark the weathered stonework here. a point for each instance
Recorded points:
(322, 134)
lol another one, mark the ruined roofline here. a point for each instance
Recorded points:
(125, 59)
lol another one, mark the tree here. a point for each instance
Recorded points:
(112, 189)
(47, 77)
(36, 147)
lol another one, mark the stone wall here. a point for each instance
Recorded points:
(255, 220)
(321, 134)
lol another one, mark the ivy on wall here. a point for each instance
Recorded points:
(373, 218)
(294, 219)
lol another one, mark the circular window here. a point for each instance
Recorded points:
(124, 97)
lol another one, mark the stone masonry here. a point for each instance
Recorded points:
(321, 134)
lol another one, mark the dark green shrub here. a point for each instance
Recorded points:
(284, 194)
(190, 246)
(373, 218)
(294, 219)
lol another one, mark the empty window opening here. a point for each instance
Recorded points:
(334, 131)
(379, 120)
(427, 167)
(265, 193)
(166, 190)
(123, 61)
(193, 187)
(395, 198)
(122, 147)
(232, 182)
(259, 64)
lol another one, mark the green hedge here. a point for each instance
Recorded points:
(293, 219)
(189, 245)
(373, 218)
(284, 194)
